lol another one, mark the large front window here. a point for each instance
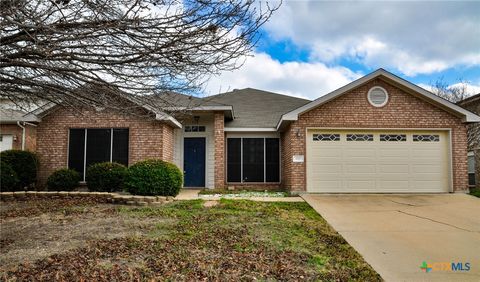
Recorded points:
(253, 160)
(88, 146)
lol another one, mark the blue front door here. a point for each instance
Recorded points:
(194, 162)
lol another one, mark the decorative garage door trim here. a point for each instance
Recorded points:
(431, 139)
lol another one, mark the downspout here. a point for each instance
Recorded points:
(23, 135)
(23, 131)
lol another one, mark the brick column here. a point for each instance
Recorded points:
(219, 149)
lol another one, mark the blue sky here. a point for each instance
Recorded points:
(310, 48)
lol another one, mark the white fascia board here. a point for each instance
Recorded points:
(168, 118)
(200, 108)
(203, 108)
(249, 129)
(293, 115)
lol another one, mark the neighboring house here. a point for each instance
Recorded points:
(378, 134)
(17, 130)
(473, 104)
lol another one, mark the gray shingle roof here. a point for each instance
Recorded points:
(174, 99)
(257, 108)
(12, 116)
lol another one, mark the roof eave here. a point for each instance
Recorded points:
(250, 129)
(228, 110)
(168, 119)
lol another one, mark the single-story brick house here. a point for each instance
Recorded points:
(378, 134)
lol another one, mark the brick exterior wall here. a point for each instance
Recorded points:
(219, 123)
(352, 110)
(286, 141)
(16, 131)
(168, 142)
(147, 138)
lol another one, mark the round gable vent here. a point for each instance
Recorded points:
(377, 96)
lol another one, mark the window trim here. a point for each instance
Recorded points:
(264, 161)
(370, 100)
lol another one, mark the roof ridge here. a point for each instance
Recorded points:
(259, 90)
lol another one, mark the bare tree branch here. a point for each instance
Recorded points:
(455, 94)
(51, 48)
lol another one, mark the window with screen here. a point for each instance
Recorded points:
(272, 162)
(471, 170)
(76, 150)
(89, 146)
(253, 160)
(234, 160)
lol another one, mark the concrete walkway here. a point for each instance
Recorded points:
(397, 233)
(192, 194)
(188, 194)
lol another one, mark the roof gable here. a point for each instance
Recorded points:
(410, 87)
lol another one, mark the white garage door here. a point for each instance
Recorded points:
(350, 161)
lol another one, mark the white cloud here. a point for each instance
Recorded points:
(306, 80)
(414, 37)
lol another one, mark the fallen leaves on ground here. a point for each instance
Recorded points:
(35, 207)
(231, 241)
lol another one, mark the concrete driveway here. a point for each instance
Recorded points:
(397, 233)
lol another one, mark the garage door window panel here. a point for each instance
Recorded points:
(426, 138)
(326, 137)
(393, 137)
(359, 137)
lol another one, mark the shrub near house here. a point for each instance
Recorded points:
(63, 180)
(106, 177)
(24, 164)
(9, 179)
(154, 177)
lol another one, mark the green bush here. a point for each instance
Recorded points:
(63, 180)
(25, 165)
(154, 177)
(9, 180)
(106, 177)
